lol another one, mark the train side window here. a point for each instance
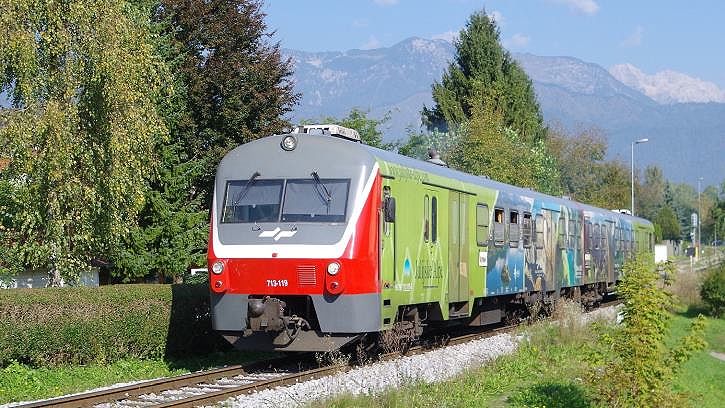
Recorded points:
(426, 218)
(562, 231)
(526, 229)
(588, 231)
(617, 246)
(630, 242)
(572, 234)
(605, 234)
(514, 229)
(498, 226)
(434, 219)
(597, 234)
(539, 231)
(636, 242)
(482, 224)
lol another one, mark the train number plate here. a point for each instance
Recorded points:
(274, 283)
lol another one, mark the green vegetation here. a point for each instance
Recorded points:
(231, 86)
(701, 378)
(712, 291)
(60, 326)
(120, 113)
(367, 127)
(481, 64)
(632, 365)
(554, 366)
(585, 175)
(19, 382)
(487, 101)
(83, 80)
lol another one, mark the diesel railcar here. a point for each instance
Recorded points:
(317, 240)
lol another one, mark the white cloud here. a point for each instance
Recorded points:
(634, 39)
(449, 36)
(386, 2)
(588, 7)
(518, 40)
(497, 17)
(372, 43)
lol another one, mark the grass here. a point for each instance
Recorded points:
(702, 377)
(19, 382)
(548, 371)
(530, 377)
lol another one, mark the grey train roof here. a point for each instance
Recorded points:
(486, 182)
(333, 144)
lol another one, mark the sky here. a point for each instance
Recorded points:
(683, 36)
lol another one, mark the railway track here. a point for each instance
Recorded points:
(212, 386)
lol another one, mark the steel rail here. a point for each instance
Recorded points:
(205, 379)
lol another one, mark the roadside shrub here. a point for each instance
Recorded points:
(80, 325)
(632, 365)
(712, 291)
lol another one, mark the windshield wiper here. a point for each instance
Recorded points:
(319, 183)
(244, 191)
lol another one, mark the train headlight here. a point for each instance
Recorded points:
(217, 268)
(333, 268)
(289, 143)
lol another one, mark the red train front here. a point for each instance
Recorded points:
(293, 246)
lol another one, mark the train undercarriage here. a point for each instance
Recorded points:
(290, 323)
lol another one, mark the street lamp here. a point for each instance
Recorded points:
(699, 221)
(634, 143)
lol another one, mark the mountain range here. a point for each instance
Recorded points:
(683, 117)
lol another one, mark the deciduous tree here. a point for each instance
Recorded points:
(367, 127)
(231, 86)
(83, 79)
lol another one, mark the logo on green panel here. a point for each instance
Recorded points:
(406, 267)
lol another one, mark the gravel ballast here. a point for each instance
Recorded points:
(433, 366)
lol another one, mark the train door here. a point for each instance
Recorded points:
(609, 250)
(387, 238)
(458, 250)
(549, 247)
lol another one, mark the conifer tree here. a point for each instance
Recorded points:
(481, 62)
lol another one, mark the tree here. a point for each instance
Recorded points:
(486, 99)
(367, 127)
(651, 193)
(238, 86)
(491, 149)
(482, 63)
(667, 221)
(419, 143)
(579, 158)
(83, 80)
(232, 87)
(585, 175)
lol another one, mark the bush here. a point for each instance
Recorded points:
(712, 291)
(80, 325)
(632, 364)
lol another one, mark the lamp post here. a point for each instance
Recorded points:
(634, 143)
(699, 221)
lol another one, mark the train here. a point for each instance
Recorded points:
(318, 241)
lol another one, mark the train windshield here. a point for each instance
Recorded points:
(252, 201)
(315, 200)
(300, 200)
